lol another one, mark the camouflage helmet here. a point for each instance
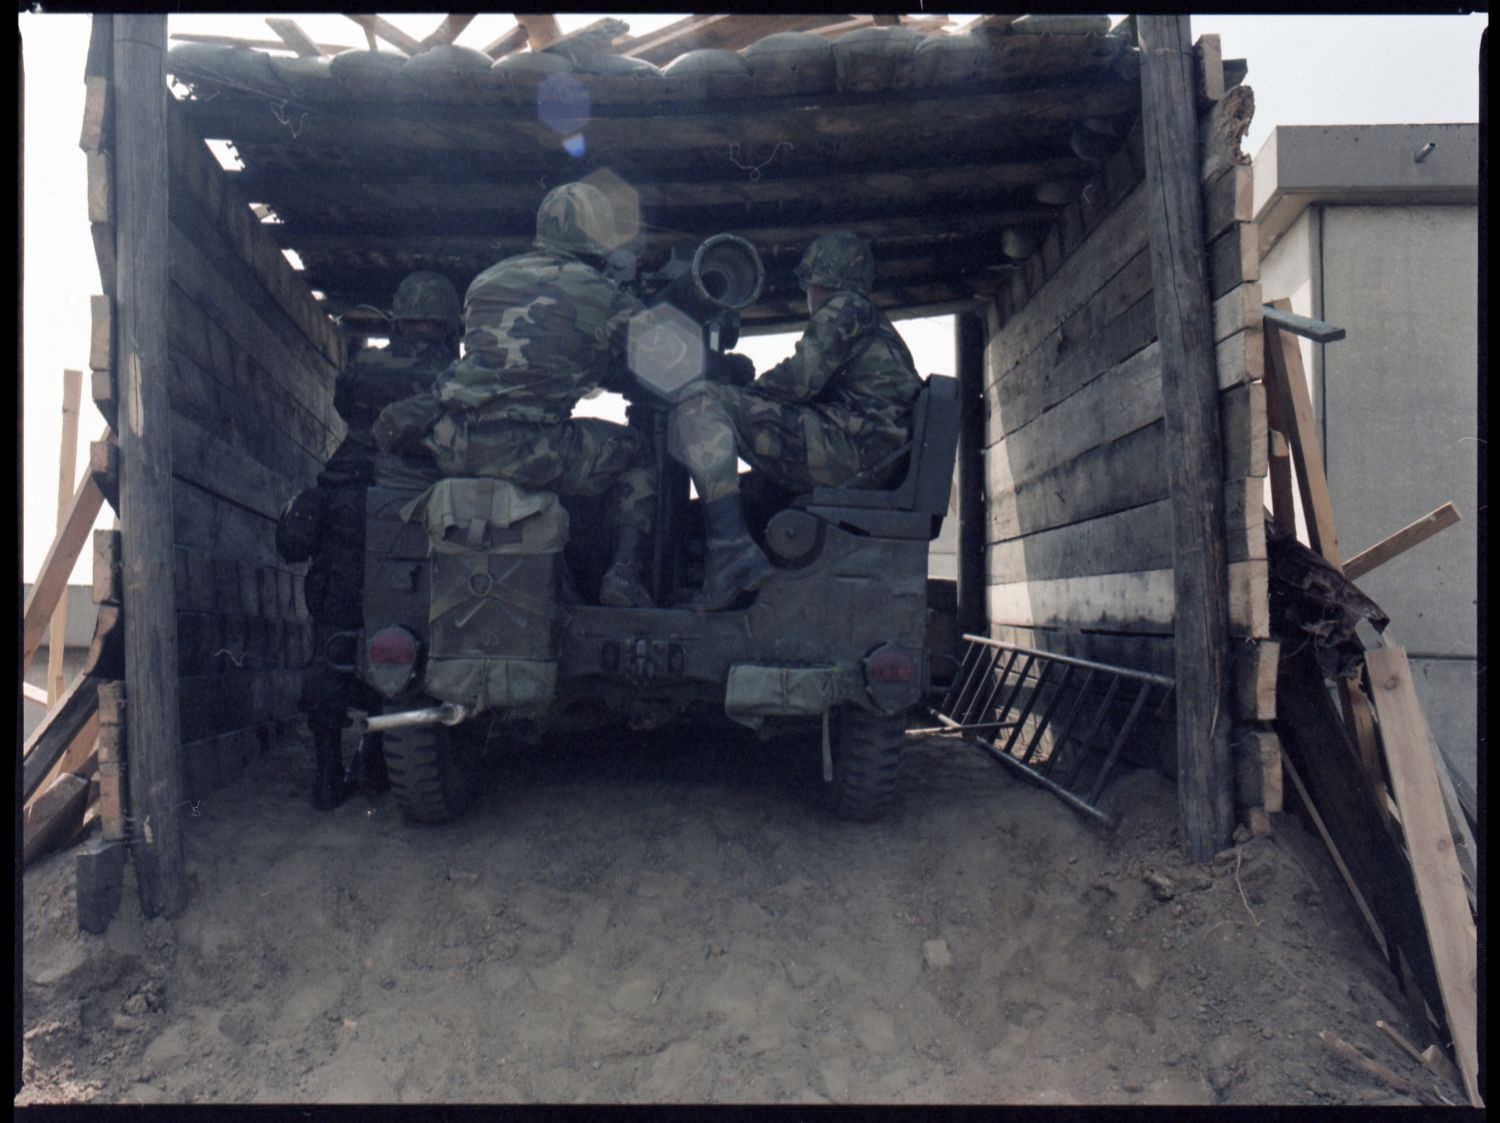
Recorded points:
(838, 260)
(576, 218)
(426, 295)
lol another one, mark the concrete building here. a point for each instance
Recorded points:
(1375, 230)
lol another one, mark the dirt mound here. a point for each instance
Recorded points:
(682, 923)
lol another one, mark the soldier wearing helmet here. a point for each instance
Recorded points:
(541, 330)
(833, 414)
(326, 523)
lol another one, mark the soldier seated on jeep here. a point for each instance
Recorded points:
(836, 413)
(541, 330)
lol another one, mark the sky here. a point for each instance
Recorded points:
(1305, 70)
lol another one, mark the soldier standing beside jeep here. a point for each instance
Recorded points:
(836, 413)
(326, 522)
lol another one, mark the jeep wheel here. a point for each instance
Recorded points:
(435, 770)
(866, 763)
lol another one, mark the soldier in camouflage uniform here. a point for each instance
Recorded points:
(327, 521)
(541, 330)
(831, 415)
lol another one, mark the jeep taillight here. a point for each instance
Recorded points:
(891, 677)
(391, 660)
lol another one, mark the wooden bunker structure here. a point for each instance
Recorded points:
(1076, 195)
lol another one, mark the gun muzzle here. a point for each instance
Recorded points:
(726, 274)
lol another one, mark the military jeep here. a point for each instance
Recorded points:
(479, 628)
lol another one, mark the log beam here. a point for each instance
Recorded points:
(1194, 457)
(141, 162)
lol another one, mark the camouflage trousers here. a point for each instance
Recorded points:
(797, 447)
(583, 456)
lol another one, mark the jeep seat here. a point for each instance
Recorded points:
(915, 507)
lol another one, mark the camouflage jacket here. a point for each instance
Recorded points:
(541, 330)
(853, 366)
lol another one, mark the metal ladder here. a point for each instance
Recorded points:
(1055, 712)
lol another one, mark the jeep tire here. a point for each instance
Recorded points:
(866, 763)
(435, 770)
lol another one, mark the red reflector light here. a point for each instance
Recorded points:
(891, 664)
(393, 646)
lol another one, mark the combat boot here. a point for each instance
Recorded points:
(329, 788)
(735, 563)
(622, 586)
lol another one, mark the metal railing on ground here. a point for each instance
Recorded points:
(1059, 721)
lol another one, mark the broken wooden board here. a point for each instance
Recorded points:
(52, 578)
(1439, 881)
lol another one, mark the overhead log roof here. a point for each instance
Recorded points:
(943, 150)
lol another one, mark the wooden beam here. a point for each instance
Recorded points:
(1440, 889)
(53, 817)
(294, 37)
(512, 40)
(57, 566)
(50, 741)
(541, 30)
(1208, 56)
(1205, 770)
(1306, 802)
(67, 466)
(79, 757)
(34, 694)
(253, 44)
(399, 39)
(1287, 383)
(447, 31)
(1403, 540)
(112, 778)
(1257, 770)
(146, 491)
(969, 360)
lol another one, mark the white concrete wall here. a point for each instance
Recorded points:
(1400, 407)
(1396, 406)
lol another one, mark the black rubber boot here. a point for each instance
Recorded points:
(621, 586)
(736, 564)
(329, 789)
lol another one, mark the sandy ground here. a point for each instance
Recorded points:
(624, 923)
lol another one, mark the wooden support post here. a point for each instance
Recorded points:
(393, 35)
(294, 37)
(1195, 462)
(972, 617)
(67, 466)
(447, 31)
(512, 40)
(1287, 383)
(1440, 889)
(541, 30)
(141, 162)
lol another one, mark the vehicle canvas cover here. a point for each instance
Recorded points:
(493, 618)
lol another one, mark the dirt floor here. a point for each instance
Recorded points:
(621, 923)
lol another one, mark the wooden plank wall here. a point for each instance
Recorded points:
(1079, 554)
(252, 364)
